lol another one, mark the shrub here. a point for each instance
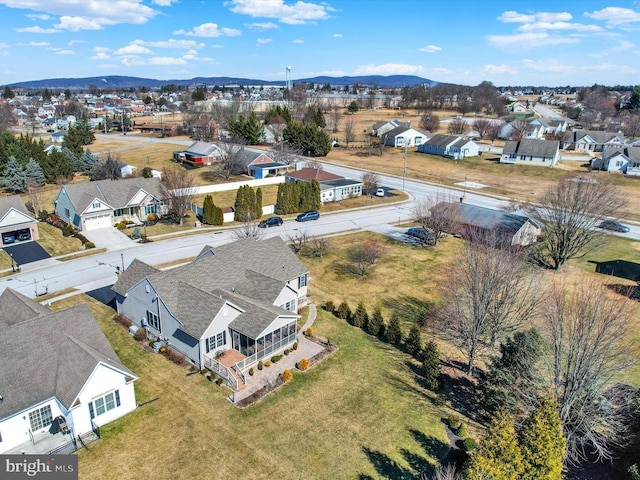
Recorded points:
(276, 358)
(260, 365)
(89, 245)
(287, 351)
(375, 324)
(251, 371)
(173, 356)
(329, 306)
(68, 230)
(152, 217)
(469, 444)
(454, 421)
(303, 364)
(360, 317)
(267, 363)
(286, 375)
(309, 332)
(122, 320)
(140, 335)
(440, 401)
(295, 345)
(152, 342)
(462, 431)
(343, 311)
(204, 371)
(121, 226)
(163, 349)
(219, 381)
(413, 342)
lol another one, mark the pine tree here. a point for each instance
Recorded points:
(258, 203)
(33, 174)
(413, 342)
(86, 161)
(375, 325)
(431, 365)
(73, 141)
(499, 457)
(207, 210)
(315, 201)
(218, 215)
(542, 442)
(344, 312)
(240, 206)
(394, 331)
(360, 317)
(13, 177)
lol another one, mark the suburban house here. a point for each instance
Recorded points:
(404, 137)
(591, 140)
(259, 164)
(517, 107)
(451, 146)
(127, 170)
(60, 377)
(531, 151)
(619, 159)
(378, 129)
(16, 223)
(515, 228)
(58, 137)
(333, 188)
(200, 154)
(93, 205)
(273, 132)
(228, 309)
(551, 127)
(531, 130)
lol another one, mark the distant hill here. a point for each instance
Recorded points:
(118, 81)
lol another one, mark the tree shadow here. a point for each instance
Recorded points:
(386, 467)
(460, 390)
(209, 176)
(632, 292)
(619, 268)
(408, 308)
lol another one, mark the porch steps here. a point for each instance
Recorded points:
(229, 358)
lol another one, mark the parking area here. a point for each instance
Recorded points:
(26, 252)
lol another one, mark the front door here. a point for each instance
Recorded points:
(236, 341)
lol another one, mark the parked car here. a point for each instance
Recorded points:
(380, 192)
(270, 222)
(24, 236)
(306, 216)
(613, 226)
(422, 234)
(8, 238)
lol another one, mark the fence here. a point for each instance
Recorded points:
(76, 443)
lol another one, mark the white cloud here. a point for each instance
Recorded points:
(430, 49)
(65, 52)
(73, 42)
(209, 30)
(133, 50)
(298, 41)
(297, 13)
(547, 65)
(498, 69)
(538, 26)
(263, 41)
(337, 35)
(166, 61)
(529, 40)
(76, 24)
(171, 43)
(100, 56)
(511, 16)
(36, 16)
(34, 44)
(163, 3)
(615, 16)
(262, 25)
(389, 69)
(37, 30)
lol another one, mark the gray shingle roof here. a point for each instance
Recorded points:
(203, 148)
(13, 201)
(488, 219)
(51, 354)
(532, 146)
(115, 193)
(135, 272)
(442, 140)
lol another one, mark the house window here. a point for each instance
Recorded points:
(291, 306)
(302, 281)
(216, 341)
(153, 320)
(118, 212)
(150, 209)
(40, 418)
(67, 213)
(96, 205)
(104, 404)
(618, 163)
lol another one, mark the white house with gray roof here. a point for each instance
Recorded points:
(59, 376)
(101, 204)
(228, 309)
(451, 146)
(531, 151)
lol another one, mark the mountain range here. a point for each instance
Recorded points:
(118, 81)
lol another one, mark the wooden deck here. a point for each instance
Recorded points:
(230, 358)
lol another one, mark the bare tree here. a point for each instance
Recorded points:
(298, 239)
(178, 187)
(440, 214)
(570, 212)
(284, 154)
(319, 245)
(493, 133)
(35, 197)
(248, 229)
(457, 126)
(430, 121)
(364, 256)
(232, 162)
(335, 116)
(349, 132)
(588, 331)
(632, 126)
(490, 293)
(7, 119)
(519, 129)
(481, 125)
(370, 182)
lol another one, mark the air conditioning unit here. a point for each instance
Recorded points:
(133, 329)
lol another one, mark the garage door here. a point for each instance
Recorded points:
(100, 221)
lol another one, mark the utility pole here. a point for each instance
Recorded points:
(404, 174)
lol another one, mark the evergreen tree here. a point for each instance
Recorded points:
(33, 174)
(253, 130)
(208, 214)
(360, 317)
(394, 331)
(353, 107)
(309, 139)
(13, 177)
(85, 131)
(344, 312)
(375, 325)
(258, 203)
(56, 166)
(240, 206)
(86, 161)
(413, 342)
(499, 457)
(318, 118)
(73, 141)
(542, 442)
(218, 218)
(71, 158)
(315, 201)
(7, 93)
(431, 365)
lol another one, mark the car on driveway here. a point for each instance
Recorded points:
(613, 226)
(380, 192)
(270, 222)
(306, 216)
(422, 234)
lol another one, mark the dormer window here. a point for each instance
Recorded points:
(96, 205)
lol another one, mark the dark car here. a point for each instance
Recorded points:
(270, 222)
(613, 226)
(422, 234)
(306, 216)
(24, 236)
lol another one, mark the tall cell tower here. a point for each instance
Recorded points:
(288, 77)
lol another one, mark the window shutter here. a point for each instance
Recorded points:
(206, 343)
(91, 414)
(117, 394)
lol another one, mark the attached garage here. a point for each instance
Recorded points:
(16, 223)
(98, 221)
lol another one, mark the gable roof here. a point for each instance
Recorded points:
(532, 146)
(205, 149)
(135, 272)
(51, 354)
(307, 174)
(488, 219)
(443, 140)
(115, 193)
(403, 129)
(13, 201)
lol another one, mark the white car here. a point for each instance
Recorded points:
(380, 192)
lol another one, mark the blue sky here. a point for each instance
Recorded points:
(460, 41)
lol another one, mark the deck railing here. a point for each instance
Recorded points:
(221, 370)
(274, 347)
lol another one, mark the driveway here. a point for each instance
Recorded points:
(26, 252)
(110, 238)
